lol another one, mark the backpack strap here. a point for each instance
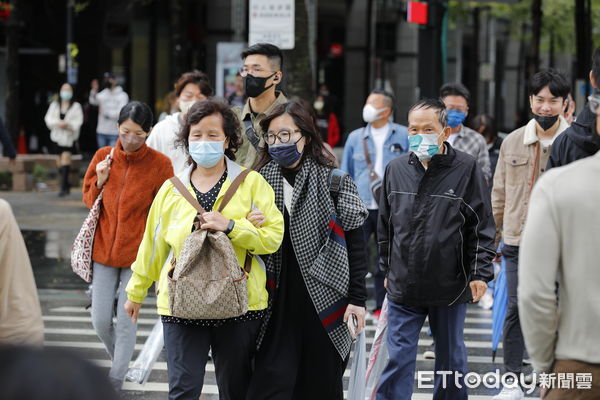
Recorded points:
(232, 189)
(336, 178)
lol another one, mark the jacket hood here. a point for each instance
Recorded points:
(583, 131)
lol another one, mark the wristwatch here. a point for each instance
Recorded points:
(230, 227)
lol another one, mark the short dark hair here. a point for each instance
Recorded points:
(139, 113)
(556, 81)
(455, 89)
(596, 66)
(203, 109)
(272, 52)
(305, 120)
(389, 97)
(197, 78)
(437, 105)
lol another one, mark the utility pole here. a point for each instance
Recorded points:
(430, 50)
(583, 38)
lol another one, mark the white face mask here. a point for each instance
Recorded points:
(371, 114)
(185, 106)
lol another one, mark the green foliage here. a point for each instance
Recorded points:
(39, 173)
(558, 18)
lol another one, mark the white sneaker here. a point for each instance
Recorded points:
(429, 354)
(510, 393)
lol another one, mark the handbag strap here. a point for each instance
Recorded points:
(226, 198)
(372, 173)
(187, 195)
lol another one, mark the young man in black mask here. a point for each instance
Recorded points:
(523, 158)
(261, 73)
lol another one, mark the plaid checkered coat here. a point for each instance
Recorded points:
(317, 232)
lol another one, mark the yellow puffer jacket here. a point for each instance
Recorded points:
(170, 222)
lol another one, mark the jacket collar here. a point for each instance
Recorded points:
(530, 136)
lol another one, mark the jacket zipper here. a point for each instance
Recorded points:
(119, 205)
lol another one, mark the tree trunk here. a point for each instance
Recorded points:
(298, 74)
(533, 54)
(12, 73)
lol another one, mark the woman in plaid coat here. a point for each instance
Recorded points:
(317, 278)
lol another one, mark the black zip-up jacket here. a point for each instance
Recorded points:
(578, 141)
(435, 229)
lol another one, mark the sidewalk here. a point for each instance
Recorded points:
(41, 211)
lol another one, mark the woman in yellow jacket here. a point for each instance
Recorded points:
(211, 133)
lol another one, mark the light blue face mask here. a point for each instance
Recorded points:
(207, 153)
(424, 146)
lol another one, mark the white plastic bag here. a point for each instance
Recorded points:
(378, 357)
(141, 368)
(358, 369)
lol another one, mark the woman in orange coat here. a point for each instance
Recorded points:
(130, 175)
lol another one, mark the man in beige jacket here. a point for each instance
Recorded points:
(20, 313)
(523, 158)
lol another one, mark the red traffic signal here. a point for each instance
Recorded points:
(417, 12)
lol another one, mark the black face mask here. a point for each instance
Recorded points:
(254, 86)
(545, 122)
(106, 85)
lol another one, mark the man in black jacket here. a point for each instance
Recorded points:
(582, 138)
(436, 235)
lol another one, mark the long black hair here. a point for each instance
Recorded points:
(306, 121)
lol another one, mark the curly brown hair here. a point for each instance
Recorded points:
(306, 121)
(205, 108)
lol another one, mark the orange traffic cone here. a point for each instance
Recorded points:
(22, 143)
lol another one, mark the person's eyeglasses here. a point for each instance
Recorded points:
(283, 135)
(594, 102)
(252, 71)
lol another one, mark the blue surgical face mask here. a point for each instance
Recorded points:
(207, 153)
(424, 146)
(455, 118)
(285, 154)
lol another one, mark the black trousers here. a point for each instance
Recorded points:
(513, 342)
(370, 229)
(297, 359)
(233, 349)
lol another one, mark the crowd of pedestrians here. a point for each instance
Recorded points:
(255, 185)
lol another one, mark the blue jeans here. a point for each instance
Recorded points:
(105, 139)
(404, 326)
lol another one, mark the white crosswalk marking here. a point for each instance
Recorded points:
(69, 326)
